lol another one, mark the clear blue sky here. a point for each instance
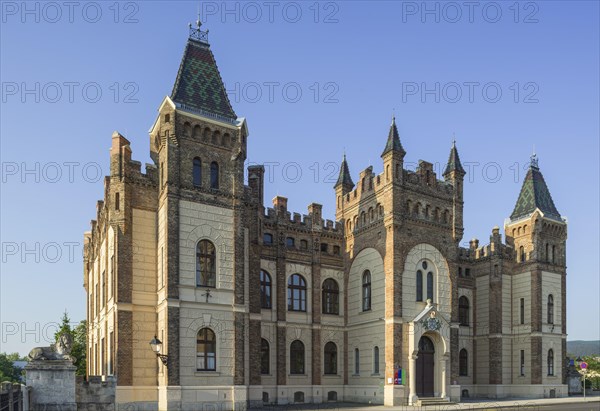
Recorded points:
(366, 59)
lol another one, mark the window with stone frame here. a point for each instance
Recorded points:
(366, 290)
(356, 361)
(331, 297)
(430, 286)
(550, 362)
(197, 172)
(206, 350)
(214, 175)
(419, 287)
(268, 239)
(376, 360)
(550, 309)
(330, 359)
(206, 269)
(265, 290)
(463, 311)
(296, 293)
(297, 357)
(265, 360)
(463, 363)
(290, 242)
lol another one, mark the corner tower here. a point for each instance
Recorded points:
(537, 233)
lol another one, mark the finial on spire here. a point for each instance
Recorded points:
(534, 160)
(196, 33)
(393, 115)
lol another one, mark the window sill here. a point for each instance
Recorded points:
(298, 375)
(355, 375)
(203, 373)
(375, 374)
(331, 375)
(332, 314)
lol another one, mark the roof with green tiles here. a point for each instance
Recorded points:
(199, 86)
(535, 195)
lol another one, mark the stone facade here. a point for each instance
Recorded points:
(257, 304)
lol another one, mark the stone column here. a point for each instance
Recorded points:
(52, 384)
(444, 391)
(412, 380)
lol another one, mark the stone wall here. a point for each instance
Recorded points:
(96, 394)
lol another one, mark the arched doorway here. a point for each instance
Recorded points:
(425, 367)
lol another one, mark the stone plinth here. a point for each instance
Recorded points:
(52, 385)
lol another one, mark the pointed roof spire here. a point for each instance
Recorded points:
(344, 178)
(534, 195)
(199, 86)
(454, 161)
(393, 141)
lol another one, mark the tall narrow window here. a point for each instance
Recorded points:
(430, 286)
(366, 291)
(547, 252)
(197, 172)
(419, 285)
(214, 175)
(297, 357)
(296, 293)
(376, 360)
(463, 310)
(265, 290)
(553, 254)
(550, 309)
(522, 312)
(463, 363)
(111, 357)
(265, 353)
(103, 356)
(117, 201)
(206, 273)
(103, 289)
(113, 276)
(356, 361)
(550, 361)
(522, 368)
(206, 350)
(522, 254)
(331, 297)
(330, 359)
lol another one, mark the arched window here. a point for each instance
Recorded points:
(296, 293)
(187, 129)
(419, 285)
(290, 242)
(522, 254)
(197, 131)
(366, 291)
(550, 360)
(330, 360)
(265, 290)
(264, 356)
(331, 297)
(197, 173)
(550, 309)
(206, 272)
(463, 363)
(463, 310)
(303, 245)
(356, 361)
(376, 360)
(214, 175)
(297, 357)
(430, 286)
(206, 350)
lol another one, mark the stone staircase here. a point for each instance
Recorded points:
(432, 401)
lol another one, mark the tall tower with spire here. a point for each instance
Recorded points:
(454, 173)
(537, 233)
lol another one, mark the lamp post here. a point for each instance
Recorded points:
(156, 346)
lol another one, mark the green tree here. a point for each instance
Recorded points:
(79, 337)
(8, 372)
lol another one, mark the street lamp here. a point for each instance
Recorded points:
(156, 346)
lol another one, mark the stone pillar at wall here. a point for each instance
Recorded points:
(52, 385)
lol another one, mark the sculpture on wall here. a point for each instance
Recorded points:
(61, 350)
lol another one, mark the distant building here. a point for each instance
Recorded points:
(261, 305)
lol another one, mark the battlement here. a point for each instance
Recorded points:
(301, 220)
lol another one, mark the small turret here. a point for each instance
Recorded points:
(344, 179)
(393, 155)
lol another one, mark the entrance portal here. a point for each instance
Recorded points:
(425, 368)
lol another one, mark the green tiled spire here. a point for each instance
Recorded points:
(393, 141)
(199, 86)
(534, 195)
(454, 161)
(344, 178)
